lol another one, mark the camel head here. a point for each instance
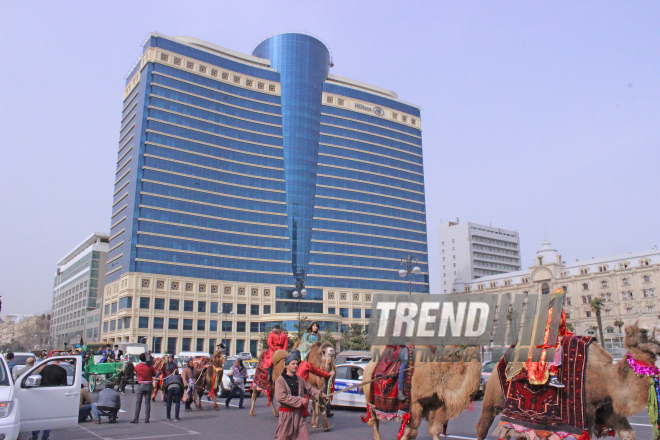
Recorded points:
(328, 353)
(643, 335)
(218, 359)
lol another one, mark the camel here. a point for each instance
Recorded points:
(215, 368)
(613, 390)
(201, 365)
(159, 365)
(278, 368)
(321, 355)
(440, 392)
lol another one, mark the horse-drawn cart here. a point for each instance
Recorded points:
(98, 373)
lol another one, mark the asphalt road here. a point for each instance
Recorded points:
(235, 424)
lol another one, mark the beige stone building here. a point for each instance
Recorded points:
(7, 331)
(180, 314)
(629, 284)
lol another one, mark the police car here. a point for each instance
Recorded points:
(348, 375)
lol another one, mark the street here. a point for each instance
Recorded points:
(234, 423)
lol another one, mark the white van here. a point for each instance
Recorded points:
(187, 355)
(27, 406)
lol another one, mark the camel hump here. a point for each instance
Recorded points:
(279, 355)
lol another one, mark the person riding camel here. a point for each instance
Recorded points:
(310, 337)
(277, 340)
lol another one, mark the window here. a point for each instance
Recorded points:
(201, 324)
(185, 344)
(647, 279)
(629, 311)
(213, 325)
(159, 303)
(253, 347)
(187, 324)
(609, 330)
(567, 301)
(144, 302)
(645, 293)
(226, 326)
(188, 306)
(254, 327)
(240, 326)
(113, 325)
(608, 312)
(158, 323)
(588, 313)
(240, 309)
(254, 309)
(171, 345)
(357, 313)
(266, 308)
(200, 344)
(604, 283)
(367, 313)
(226, 308)
(545, 289)
(623, 265)
(113, 307)
(201, 308)
(126, 302)
(214, 307)
(343, 312)
(584, 300)
(652, 292)
(585, 286)
(174, 304)
(143, 322)
(626, 282)
(332, 310)
(650, 308)
(106, 309)
(173, 324)
(105, 326)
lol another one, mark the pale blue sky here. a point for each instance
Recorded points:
(537, 115)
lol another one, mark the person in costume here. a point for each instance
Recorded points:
(309, 338)
(277, 340)
(292, 392)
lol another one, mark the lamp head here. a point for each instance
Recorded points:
(295, 294)
(303, 292)
(403, 273)
(416, 270)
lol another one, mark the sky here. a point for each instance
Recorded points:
(543, 117)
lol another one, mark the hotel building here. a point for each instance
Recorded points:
(243, 178)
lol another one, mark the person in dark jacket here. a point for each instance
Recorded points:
(174, 392)
(108, 398)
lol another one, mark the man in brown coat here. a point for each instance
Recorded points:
(292, 393)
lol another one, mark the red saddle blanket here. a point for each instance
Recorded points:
(260, 378)
(384, 395)
(545, 409)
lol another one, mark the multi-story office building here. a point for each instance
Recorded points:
(469, 251)
(244, 178)
(78, 292)
(628, 285)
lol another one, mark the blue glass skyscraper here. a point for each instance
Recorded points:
(241, 177)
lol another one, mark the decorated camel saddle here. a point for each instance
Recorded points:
(384, 398)
(534, 409)
(260, 380)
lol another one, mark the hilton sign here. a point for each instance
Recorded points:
(376, 110)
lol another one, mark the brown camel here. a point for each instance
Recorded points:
(159, 365)
(440, 392)
(322, 356)
(215, 369)
(201, 365)
(278, 368)
(613, 390)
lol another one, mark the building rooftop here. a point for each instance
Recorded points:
(82, 246)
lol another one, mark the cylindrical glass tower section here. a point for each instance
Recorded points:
(303, 63)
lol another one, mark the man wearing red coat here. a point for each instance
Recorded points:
(276, 341)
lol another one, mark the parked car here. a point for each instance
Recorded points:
(26, 406)
(186, 355)
(486, 369)
(21, 358)
(349, 374)
(251, 366)
(351, 356)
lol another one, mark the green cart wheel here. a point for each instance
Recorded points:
(92, 382)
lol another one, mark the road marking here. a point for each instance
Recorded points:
(91, 432)
(220, 404)
(157, 436)
(641, 424)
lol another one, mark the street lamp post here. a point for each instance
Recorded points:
(299, 295)
(224, 332)
(409, 270)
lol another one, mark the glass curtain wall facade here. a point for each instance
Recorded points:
(263, 171)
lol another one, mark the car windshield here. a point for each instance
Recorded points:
(488, 368)
(20, 359)
(228, 364)
(4, 379)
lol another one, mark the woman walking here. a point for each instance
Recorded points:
(310, 337)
